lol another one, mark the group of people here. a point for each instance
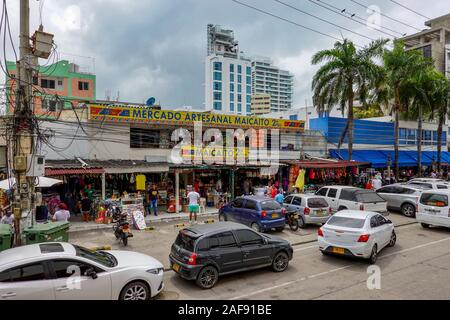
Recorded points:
(377, 181)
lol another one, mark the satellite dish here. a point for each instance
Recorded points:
(151, 101)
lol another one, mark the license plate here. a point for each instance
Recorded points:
(176, 267)
(320, 212)
(338, 250)
(275, 215)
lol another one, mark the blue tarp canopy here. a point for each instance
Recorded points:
(379, 158)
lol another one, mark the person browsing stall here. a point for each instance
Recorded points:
(194, 207)
(62, 214)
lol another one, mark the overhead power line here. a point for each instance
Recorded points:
(316, 17)
(286, 20)
(386, 16)
(409, 9)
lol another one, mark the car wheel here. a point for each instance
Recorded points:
(425, 225)
(280, 262)
(325, 253)
(125, 241)
(207, 277)
(222, 217)
(294, 225)
(301, 223)
(374, 255)
(409, 210)
(256, 227)
(393, 239)
(135, 291)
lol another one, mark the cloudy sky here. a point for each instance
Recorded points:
(143, 48)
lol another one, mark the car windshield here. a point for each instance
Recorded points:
(435, 200)
(185, 242)
(346, 222)
(368, 197)
(317, 203)
(104, 258)
(270, 205)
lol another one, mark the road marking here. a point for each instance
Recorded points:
(333, 270)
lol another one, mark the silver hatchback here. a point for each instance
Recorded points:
(311, 209)
(402, 197)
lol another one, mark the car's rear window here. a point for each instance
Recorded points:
(435, 200)
(317, 203)
(185, 242)
(346, 222)
(368, 197)
(270, 205)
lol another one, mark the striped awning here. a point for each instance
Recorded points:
(66, 171)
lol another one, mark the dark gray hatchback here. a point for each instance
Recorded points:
(203, 252)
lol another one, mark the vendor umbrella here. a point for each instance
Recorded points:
(42, 182)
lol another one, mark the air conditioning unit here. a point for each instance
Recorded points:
(35, 166)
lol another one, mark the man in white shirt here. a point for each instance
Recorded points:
(376, 183)
(62, 214)
(194, 207)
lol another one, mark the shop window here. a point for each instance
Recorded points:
(144, 138)
(83, 85)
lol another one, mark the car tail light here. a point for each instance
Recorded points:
(283, 211)
(306, 211)
(330, 210)
(192, 259)
(264, 214)
(364, 238)
(320, 232)
(361, 207)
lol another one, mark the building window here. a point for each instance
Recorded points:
(239, 98)
(231, 96)
(52, 105)
(35, 81)
(231, 67)
(48, 84)
(217, 96)
(239, 68)
(83, 85)
(144, 138)
(217, 86)
(427, 52)
(249, 108)
(218, 76)
(249, 98)
(217, 105)
(232, 106)
(218, 66)
(231, 87)
(293, 117)
(239, 88)
(239, 78)
(249, 89)
(231, 77)
(239, 108)
(249, 70)
(249, 80)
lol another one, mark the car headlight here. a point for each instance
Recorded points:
(155, 270)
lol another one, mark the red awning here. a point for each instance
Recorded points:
(64, 171)
(328, 164)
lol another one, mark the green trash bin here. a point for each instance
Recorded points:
(5, 236)
(47, 232)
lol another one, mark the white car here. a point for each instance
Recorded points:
(351, 198)
(430, 183)
(62, 271)
(434, 209)
(360, 234)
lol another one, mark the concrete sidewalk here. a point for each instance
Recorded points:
(79, 226)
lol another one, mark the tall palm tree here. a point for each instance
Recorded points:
(347, 74)
(400, 67)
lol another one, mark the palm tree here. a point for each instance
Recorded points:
(346, 75)
(400, 67)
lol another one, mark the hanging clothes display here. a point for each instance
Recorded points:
(140, 182)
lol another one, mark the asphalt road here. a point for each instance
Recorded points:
(418, 267)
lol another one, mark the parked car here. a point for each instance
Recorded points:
(402, 197)
(259, 213)
(62, 271)
(360, 234)
(205, 252)
(430, 183)
(351, 198)
(434, 208)
(310, 208)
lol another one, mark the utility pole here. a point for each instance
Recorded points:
(23, 127)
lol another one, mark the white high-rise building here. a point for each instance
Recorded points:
(269, 79)
(228, 74)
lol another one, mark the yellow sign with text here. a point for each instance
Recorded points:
(214, 152)
(180, 118)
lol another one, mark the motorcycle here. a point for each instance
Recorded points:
(292, 220)
(121, 227)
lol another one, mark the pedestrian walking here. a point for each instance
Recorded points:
(280, 197)
(153, 198)
(86, 205)
(194, 207)
(8, 219)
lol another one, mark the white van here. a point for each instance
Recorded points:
(434, 208)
